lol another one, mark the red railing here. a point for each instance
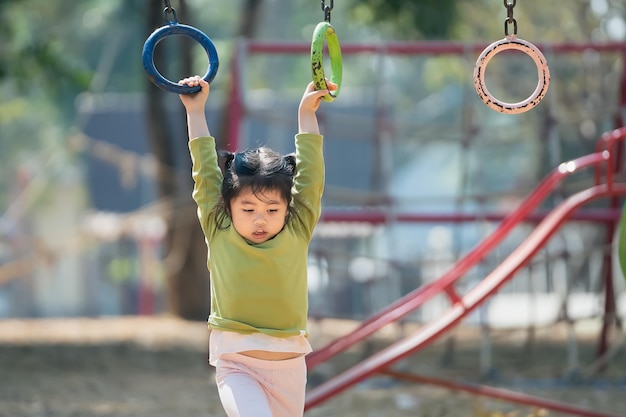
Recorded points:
(461, 306)
(415, 299)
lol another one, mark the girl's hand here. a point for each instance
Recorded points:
(312, 98)
(196, 101)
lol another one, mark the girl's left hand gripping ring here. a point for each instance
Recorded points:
(177, 29)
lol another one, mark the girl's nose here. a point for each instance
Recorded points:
(259, 220)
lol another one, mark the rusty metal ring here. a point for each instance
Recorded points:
(543, 73)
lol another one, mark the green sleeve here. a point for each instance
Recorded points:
(309, 180)
(207, 178)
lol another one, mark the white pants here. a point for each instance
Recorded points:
(250, 387)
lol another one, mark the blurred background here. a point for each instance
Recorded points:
(96, 215)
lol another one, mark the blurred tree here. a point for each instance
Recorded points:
(36, 56)
(188, 293)
(39, 80)
(186, 277)
(413, 19)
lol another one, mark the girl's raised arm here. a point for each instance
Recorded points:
(194, 105)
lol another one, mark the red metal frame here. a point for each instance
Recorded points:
(416, 298)
(377, 217)
(419, 48)
(461, 306)
(499, 393)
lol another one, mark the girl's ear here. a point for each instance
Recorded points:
(290, 161)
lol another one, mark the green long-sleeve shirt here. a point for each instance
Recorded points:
(259, 287)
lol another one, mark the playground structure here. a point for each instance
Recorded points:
(604, 184)
(539, 209)
(604, 162)
(172, 27)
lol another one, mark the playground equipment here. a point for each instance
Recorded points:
(324, 31)
(511, 42)
(173, 28)
(605, 159)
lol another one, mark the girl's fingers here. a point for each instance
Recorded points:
(191, 81)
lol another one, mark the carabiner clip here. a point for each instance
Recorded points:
(167, 11)
(327, 9)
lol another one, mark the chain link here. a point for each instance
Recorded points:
(509, 17)
(327, 9)
(169, 13)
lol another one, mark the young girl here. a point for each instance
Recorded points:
(258, 214)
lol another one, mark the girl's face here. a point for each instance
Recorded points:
(258, 217)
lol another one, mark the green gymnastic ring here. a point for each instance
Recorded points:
(325, 32)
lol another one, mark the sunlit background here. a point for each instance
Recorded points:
(96, 215)
(87, 230)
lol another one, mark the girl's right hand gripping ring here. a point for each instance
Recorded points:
(170, 29)
(325, 32)
(543, 73)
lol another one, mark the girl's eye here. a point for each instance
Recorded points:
(273, 210)
(248, 210)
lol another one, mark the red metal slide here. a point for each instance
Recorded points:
(604, 160)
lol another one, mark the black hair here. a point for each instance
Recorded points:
(259, 170)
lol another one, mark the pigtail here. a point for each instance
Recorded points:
(290, 162)
(225, 160)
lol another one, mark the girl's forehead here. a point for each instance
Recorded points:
(268, 195)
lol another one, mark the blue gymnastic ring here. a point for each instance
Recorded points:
(170, 29)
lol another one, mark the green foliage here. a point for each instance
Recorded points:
(40, 76)
(412, 19)
(37, 55)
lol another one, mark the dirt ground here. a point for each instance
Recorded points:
(156, 367)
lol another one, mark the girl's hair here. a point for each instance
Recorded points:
(259, 170)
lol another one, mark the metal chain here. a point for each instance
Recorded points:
(509, 17)
(327, 9)
(169, 11)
